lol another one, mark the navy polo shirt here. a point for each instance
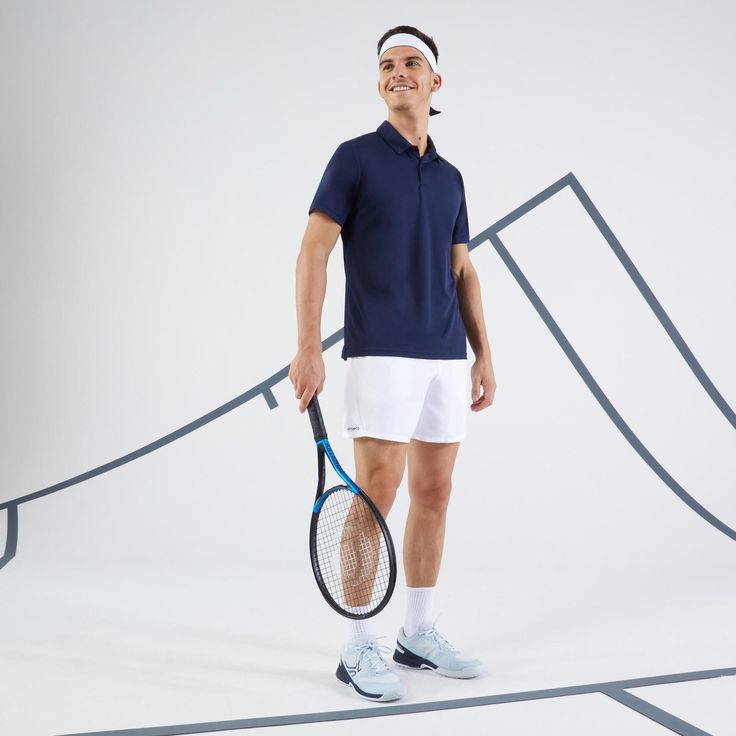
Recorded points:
(400, 216)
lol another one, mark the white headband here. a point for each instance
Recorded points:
(409, 39)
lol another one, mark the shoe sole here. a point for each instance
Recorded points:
(344, 676)
(408, 659)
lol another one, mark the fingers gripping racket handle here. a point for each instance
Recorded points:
(315, 417)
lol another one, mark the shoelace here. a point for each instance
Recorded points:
(371, 652)
(435, 635)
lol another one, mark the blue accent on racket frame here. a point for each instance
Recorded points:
(349, 483)
(320, 501)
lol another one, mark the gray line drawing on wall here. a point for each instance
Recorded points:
(490, 234)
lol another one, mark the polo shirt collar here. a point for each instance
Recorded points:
(399, 143)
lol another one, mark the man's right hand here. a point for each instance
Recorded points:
(307, 375)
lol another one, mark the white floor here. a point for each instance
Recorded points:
(100, 648)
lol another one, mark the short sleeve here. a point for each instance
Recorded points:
(338, 187)
(461, 231)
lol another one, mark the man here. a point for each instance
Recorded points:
(412, 298)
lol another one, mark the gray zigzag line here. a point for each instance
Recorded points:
(491, 234)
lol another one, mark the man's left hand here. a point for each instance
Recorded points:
(481, 375)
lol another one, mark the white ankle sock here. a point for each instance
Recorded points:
(361, 628)
(418, 609)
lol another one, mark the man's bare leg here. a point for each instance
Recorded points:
(418, 643)
(430, 481)
(379, 469)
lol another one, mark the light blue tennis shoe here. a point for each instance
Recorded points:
(428, 649)
(362, 668)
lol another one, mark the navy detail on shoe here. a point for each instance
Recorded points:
(344, 676)
(409, 659)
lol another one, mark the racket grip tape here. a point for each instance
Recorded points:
(315, 417)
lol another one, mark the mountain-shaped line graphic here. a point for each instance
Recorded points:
(490, 234)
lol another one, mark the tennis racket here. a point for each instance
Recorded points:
(352, 552)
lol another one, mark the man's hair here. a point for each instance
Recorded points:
(416, 32)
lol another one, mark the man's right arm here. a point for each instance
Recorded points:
(307, 370)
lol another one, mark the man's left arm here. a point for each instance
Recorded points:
(471, 310)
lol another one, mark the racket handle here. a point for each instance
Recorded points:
(315, 417)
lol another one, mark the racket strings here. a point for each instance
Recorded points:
(351, 551)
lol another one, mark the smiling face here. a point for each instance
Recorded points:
(406, 80)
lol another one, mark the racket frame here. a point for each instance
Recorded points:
(324, 448)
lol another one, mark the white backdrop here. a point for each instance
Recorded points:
(156, 165)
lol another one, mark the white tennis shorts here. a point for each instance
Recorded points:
(397, 398)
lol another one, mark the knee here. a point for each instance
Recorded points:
(381, 487)
(433, 497)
